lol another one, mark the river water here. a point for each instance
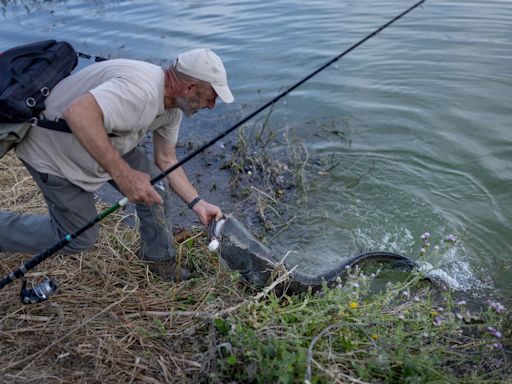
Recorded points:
(415, 123)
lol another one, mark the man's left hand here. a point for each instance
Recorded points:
(206, 212)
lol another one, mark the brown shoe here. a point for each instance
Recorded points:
(168, 270)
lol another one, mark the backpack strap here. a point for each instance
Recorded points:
(91, 57)
(57, 125)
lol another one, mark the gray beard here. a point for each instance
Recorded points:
(182, 104)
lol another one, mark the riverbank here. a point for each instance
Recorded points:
(114, 321)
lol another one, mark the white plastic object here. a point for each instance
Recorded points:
(214, 244)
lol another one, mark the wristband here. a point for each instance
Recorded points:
(194, 202)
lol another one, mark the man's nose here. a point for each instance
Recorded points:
(211, 104)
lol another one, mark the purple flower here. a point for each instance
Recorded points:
(450, 239)
(497, 345)
(493, 331)
(437, 321)
(425, 236)
(498, 307)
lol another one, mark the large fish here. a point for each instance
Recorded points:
(242, 252)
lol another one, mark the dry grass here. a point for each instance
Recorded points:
(112, 320)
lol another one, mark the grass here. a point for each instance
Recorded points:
(345, 335)
(113, 321)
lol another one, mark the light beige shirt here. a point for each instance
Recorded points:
(131, 96)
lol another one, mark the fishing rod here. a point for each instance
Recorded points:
(31, 294)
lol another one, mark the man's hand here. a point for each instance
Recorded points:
(206, 212)
(136, 186)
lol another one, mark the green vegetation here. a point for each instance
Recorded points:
(407, 333)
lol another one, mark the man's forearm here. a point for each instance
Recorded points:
(180, 184)
(165, 157)
(85, 119)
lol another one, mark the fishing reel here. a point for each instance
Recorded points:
(39, 293)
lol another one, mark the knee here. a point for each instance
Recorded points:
(84, 242)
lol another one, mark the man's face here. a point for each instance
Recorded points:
(198, 96)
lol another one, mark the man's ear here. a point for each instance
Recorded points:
(190, 87)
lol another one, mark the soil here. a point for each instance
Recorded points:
(205, 171)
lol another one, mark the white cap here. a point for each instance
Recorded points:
(205, 65)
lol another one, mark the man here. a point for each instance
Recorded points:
(109, 107)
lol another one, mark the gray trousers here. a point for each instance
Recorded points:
(70, 207)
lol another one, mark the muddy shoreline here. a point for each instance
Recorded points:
(207, 171)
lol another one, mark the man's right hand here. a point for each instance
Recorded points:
(136, 186)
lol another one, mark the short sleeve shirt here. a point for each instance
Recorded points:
(130, 95)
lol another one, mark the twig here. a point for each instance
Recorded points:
(307, 378)
(264, 194)
(34, 318)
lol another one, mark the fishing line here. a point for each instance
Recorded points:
(121, 203)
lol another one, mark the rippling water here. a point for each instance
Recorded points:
(425, 106)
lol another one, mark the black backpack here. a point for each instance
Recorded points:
(27, 75)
